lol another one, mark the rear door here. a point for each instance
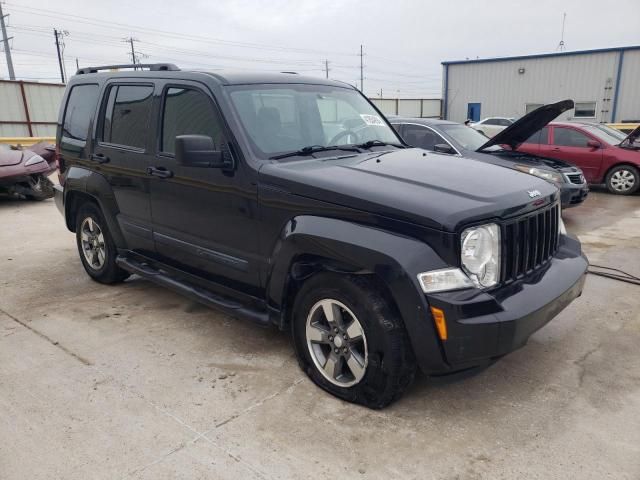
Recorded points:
(122, 153)
(570, 144)
(204, 219)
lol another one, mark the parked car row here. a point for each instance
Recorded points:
(460, 141)
(569, 154)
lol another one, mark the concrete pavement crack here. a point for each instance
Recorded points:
(55, 343)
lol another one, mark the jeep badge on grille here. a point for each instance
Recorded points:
(533, 193)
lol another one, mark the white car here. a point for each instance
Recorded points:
(492, 125)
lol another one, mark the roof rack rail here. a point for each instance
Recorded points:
(153, 67)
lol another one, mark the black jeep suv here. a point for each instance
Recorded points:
(291, 201)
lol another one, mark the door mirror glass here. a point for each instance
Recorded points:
(443, 148)
(199, 151)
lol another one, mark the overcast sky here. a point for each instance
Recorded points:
(404, 41)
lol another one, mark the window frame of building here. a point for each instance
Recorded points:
(589, 102)
(528, 109)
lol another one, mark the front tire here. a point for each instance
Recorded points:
(96, 247)
(623, 180)
(351, 341)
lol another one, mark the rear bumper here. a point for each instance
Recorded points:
(58, 196)
(572, 195)
(483, 326)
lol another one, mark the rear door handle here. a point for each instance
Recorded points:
(160, 172)
(99, 157)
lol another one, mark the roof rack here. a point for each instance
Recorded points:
(153, 67)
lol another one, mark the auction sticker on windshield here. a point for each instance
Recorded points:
(372, 120)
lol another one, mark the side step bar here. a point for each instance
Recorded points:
(225, 305)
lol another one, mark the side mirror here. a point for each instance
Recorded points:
(443, 148)
(199, 151)
(593, 144)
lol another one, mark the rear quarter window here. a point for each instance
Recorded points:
(81, 106)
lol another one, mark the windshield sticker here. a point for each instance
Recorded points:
(372, 120)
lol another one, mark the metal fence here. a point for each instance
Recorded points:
(410, 107)
(29, 109)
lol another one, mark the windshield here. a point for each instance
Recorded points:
(606, 134)
(289, 117)
(467, 137)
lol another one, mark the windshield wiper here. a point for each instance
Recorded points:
(313, 149)
(377, 143)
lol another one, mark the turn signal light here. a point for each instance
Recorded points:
(440, 321)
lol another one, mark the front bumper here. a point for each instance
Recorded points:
(572, 195)
(483, 326)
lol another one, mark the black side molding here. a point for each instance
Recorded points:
(225, 305)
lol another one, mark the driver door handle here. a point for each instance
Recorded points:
(99, 158)
(159, 172)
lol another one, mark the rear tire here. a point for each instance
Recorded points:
(623, 180)
(96, 247)
(364, 356)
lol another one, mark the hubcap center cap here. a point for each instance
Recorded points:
(338, 341)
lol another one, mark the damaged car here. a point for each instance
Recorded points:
(24, 172)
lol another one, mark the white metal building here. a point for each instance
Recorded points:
(604, 84)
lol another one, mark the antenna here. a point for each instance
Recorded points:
(561, 44)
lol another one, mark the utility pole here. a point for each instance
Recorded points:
(561, 44)
(326, 68)
(77, 64)
(59, 47)
(134, 57)
(5, 41)
(361, 70)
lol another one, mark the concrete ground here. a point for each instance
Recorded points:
(134, 381)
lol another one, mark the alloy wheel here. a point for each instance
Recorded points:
(93, 246)
(336, 342)
(623, 180)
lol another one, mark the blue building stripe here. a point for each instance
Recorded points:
(614, 110)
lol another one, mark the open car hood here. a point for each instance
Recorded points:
(518, 132)
(632, 140)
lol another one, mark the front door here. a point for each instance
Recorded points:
(473, 112)
(122, 154)
(571, 145)
(204, 219)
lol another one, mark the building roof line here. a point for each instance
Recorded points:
(543, 55)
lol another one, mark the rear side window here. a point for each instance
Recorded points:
(126, 119)
(188, 112)
(568, 137)
(540, 137)
(422, 137)
(79, 112)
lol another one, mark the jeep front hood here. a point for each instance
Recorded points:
(517, 133)
(413, 185)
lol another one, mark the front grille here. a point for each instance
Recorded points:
(576, 178)
(529, 242)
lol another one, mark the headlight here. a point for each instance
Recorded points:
(553, 177)
(34, 160)
(444, 279)
(480, 254)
